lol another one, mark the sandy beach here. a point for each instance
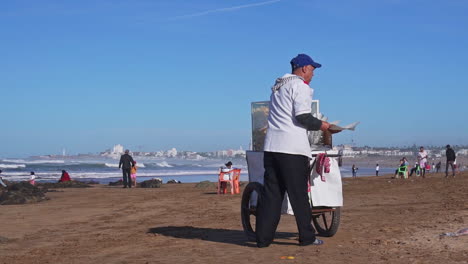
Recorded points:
(383, 221)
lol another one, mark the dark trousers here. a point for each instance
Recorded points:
(376, 173)
(127, 180)
(284, 173)
(446, 168)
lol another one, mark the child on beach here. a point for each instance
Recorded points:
(32, 180)
(133, 172)
(226, 176)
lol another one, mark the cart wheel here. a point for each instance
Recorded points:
(247, 209)
(327, 223)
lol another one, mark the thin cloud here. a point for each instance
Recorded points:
(226, 9)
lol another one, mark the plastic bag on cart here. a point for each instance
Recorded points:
(323, 193)
(328, 192)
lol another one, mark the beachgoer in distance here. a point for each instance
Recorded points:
(403, 163)
(456, 166)
(287, 153)
(422, 159)
(126, 163)
(32, 178)
(399, 166)
(1, 180)
(438, 165)
(377, 168)
(228, 167)
(354, 170)
(415, 169)
(450, 154)
(65, 176)
(133, 172)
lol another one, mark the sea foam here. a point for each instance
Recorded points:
(12, 166)
(115, 165)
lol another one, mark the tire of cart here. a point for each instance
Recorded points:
(248, 210)
(325, 219)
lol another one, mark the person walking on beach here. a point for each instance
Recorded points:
(126, 163)
(287, 153)
(422, 159)
(133, 172)
(450, 154)
(377, 168)
(354, 169)
(1, 180)
(438, 165)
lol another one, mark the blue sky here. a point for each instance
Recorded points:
(151, 75)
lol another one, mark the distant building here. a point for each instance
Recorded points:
(114, 153)
(172, 153)
(117, 149)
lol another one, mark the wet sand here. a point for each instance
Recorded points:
(383, 221)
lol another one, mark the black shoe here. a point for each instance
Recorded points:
(262, 245)
(316, 242)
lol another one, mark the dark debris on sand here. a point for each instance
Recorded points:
(67, 184)
(205, 184)
(153, 183)
(21, 193)
(116, 183)
(173, 181)
(3, 239)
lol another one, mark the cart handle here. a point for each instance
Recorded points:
(329, 155)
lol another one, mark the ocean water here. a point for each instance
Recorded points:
(105, 170)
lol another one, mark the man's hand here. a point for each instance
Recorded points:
(325, 126)
(334, 131)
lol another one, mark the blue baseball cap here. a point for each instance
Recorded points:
(302, 60)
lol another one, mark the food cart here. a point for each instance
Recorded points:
(325, 192)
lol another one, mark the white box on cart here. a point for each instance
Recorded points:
(323, 193)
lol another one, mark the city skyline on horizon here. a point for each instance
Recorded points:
(405, 147)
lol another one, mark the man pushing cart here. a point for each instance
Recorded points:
(290, 164)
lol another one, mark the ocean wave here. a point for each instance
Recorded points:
(111, 165)
(55, 175)
(164, 164)
(102, 175)
(12, 166)
(115, 165)
(34, 161)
